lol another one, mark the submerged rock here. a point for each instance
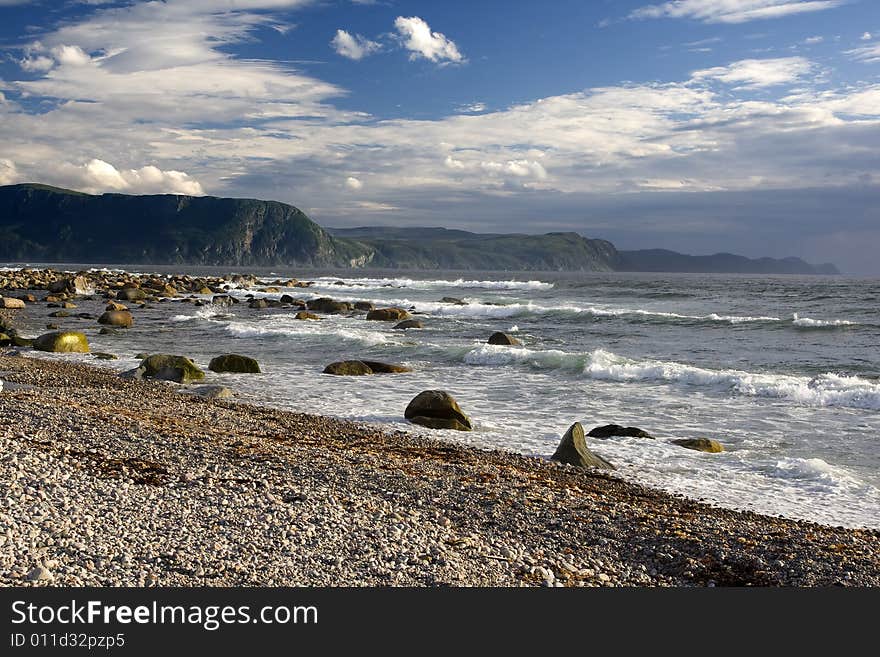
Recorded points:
(609, 430)
(363, 305)
(100, 355)
(453, 300)
(701, 444)
(63, 341)
(437, 409)
(234, 363)
(328, 306)
(305, 314)
(573, 450)
(131, 294)
(348, 368)
(409, 324)
(171, 368)
(385, 368)
(499, 338)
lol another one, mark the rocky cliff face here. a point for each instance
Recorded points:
(50, 224)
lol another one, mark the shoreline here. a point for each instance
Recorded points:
(118, 482)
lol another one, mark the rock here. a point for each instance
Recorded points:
(204, 290)
(328, 306)
(118, 318)
(500, 338)
(388, 314)
(289, 300)
(53, 327)
(168, 291)
(19, 341)
(74, 285)
(457, 302)
(108, 331)
(141, 356)
(385, 368)
(135, 374)
(348, 368)
(437, 409)
(234, 363)
(11, 304)
(573, 450)
(131, 294)
(363, 305)
(171, 368)
(100, 355)
(609, 430)
(86, 316)
(62, 341)
(115, 306)
(269, 290)
(50, 298)
(305, 314)
(222, 300)
(409, 324)
(701, 444)
(40, 574)
(27, 298)
(259, 304)
(68, 305)
(213, 392)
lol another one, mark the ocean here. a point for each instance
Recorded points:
(784, 371)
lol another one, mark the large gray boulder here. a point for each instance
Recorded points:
(437, 409)
(573, 450)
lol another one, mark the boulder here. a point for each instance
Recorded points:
(437, 409)
(11, 304)
(62, 341)
(19, 341)
(348, 368)
(171, 368)
(385, 368)
(113, 305)
(135, 375)
(500, 338)
(104, 331)
(27, 298)
(701, 444)
(168, 291)
(131, 294)
(453, 300)
(72, 285)
(286, 298)
(388, 314)
(68, 305)
(328, 306)
(118, 318)
(222, 300)
(213, 392)
(609, 430)
(305, 314)
(259, 304)
(53, 327)
(100, 355)
(363, 305)
(573, 450)
(409, 324)
(234, 363)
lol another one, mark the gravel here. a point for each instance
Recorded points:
(112, 482)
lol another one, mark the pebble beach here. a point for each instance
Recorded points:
(111, 482)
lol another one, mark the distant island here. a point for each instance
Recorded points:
(49, 224)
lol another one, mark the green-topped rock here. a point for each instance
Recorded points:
(437, 409)
(234, 363)
(62, 341)
(701, 444)
(573, 450)
(171, 368)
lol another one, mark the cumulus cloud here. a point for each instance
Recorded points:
(417, 37)
(867, 36)
(353, 46)
(732, 11)
(756, 73)
(353, 183)
(97, 176)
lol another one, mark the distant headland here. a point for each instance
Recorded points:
(49, 224)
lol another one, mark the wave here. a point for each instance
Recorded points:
(806, 322)
(416, 284)
(828, 389)
(287, 327)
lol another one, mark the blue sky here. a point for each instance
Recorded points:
(750, 126)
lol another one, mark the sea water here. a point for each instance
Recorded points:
(782, 370)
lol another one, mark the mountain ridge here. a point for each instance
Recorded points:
(41, 222)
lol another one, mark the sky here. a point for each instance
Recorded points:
(702, 126)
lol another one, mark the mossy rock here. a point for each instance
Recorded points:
(63, 341)
(234, 363)
(171, 368)
(348, 368)
(701, 444)
(573, 450)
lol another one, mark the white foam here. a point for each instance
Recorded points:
(286, 326)
(806, 322)
(430, 284)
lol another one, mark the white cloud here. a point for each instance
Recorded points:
(353, 46)
(732, 11)
(418, 38)
(756, 73)
(97, 176)
(472, 108)
(38, 64)
(866, 54)
(353, 183)
(867, 36)
(810, 41)
(70, 55)
(8, 172)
